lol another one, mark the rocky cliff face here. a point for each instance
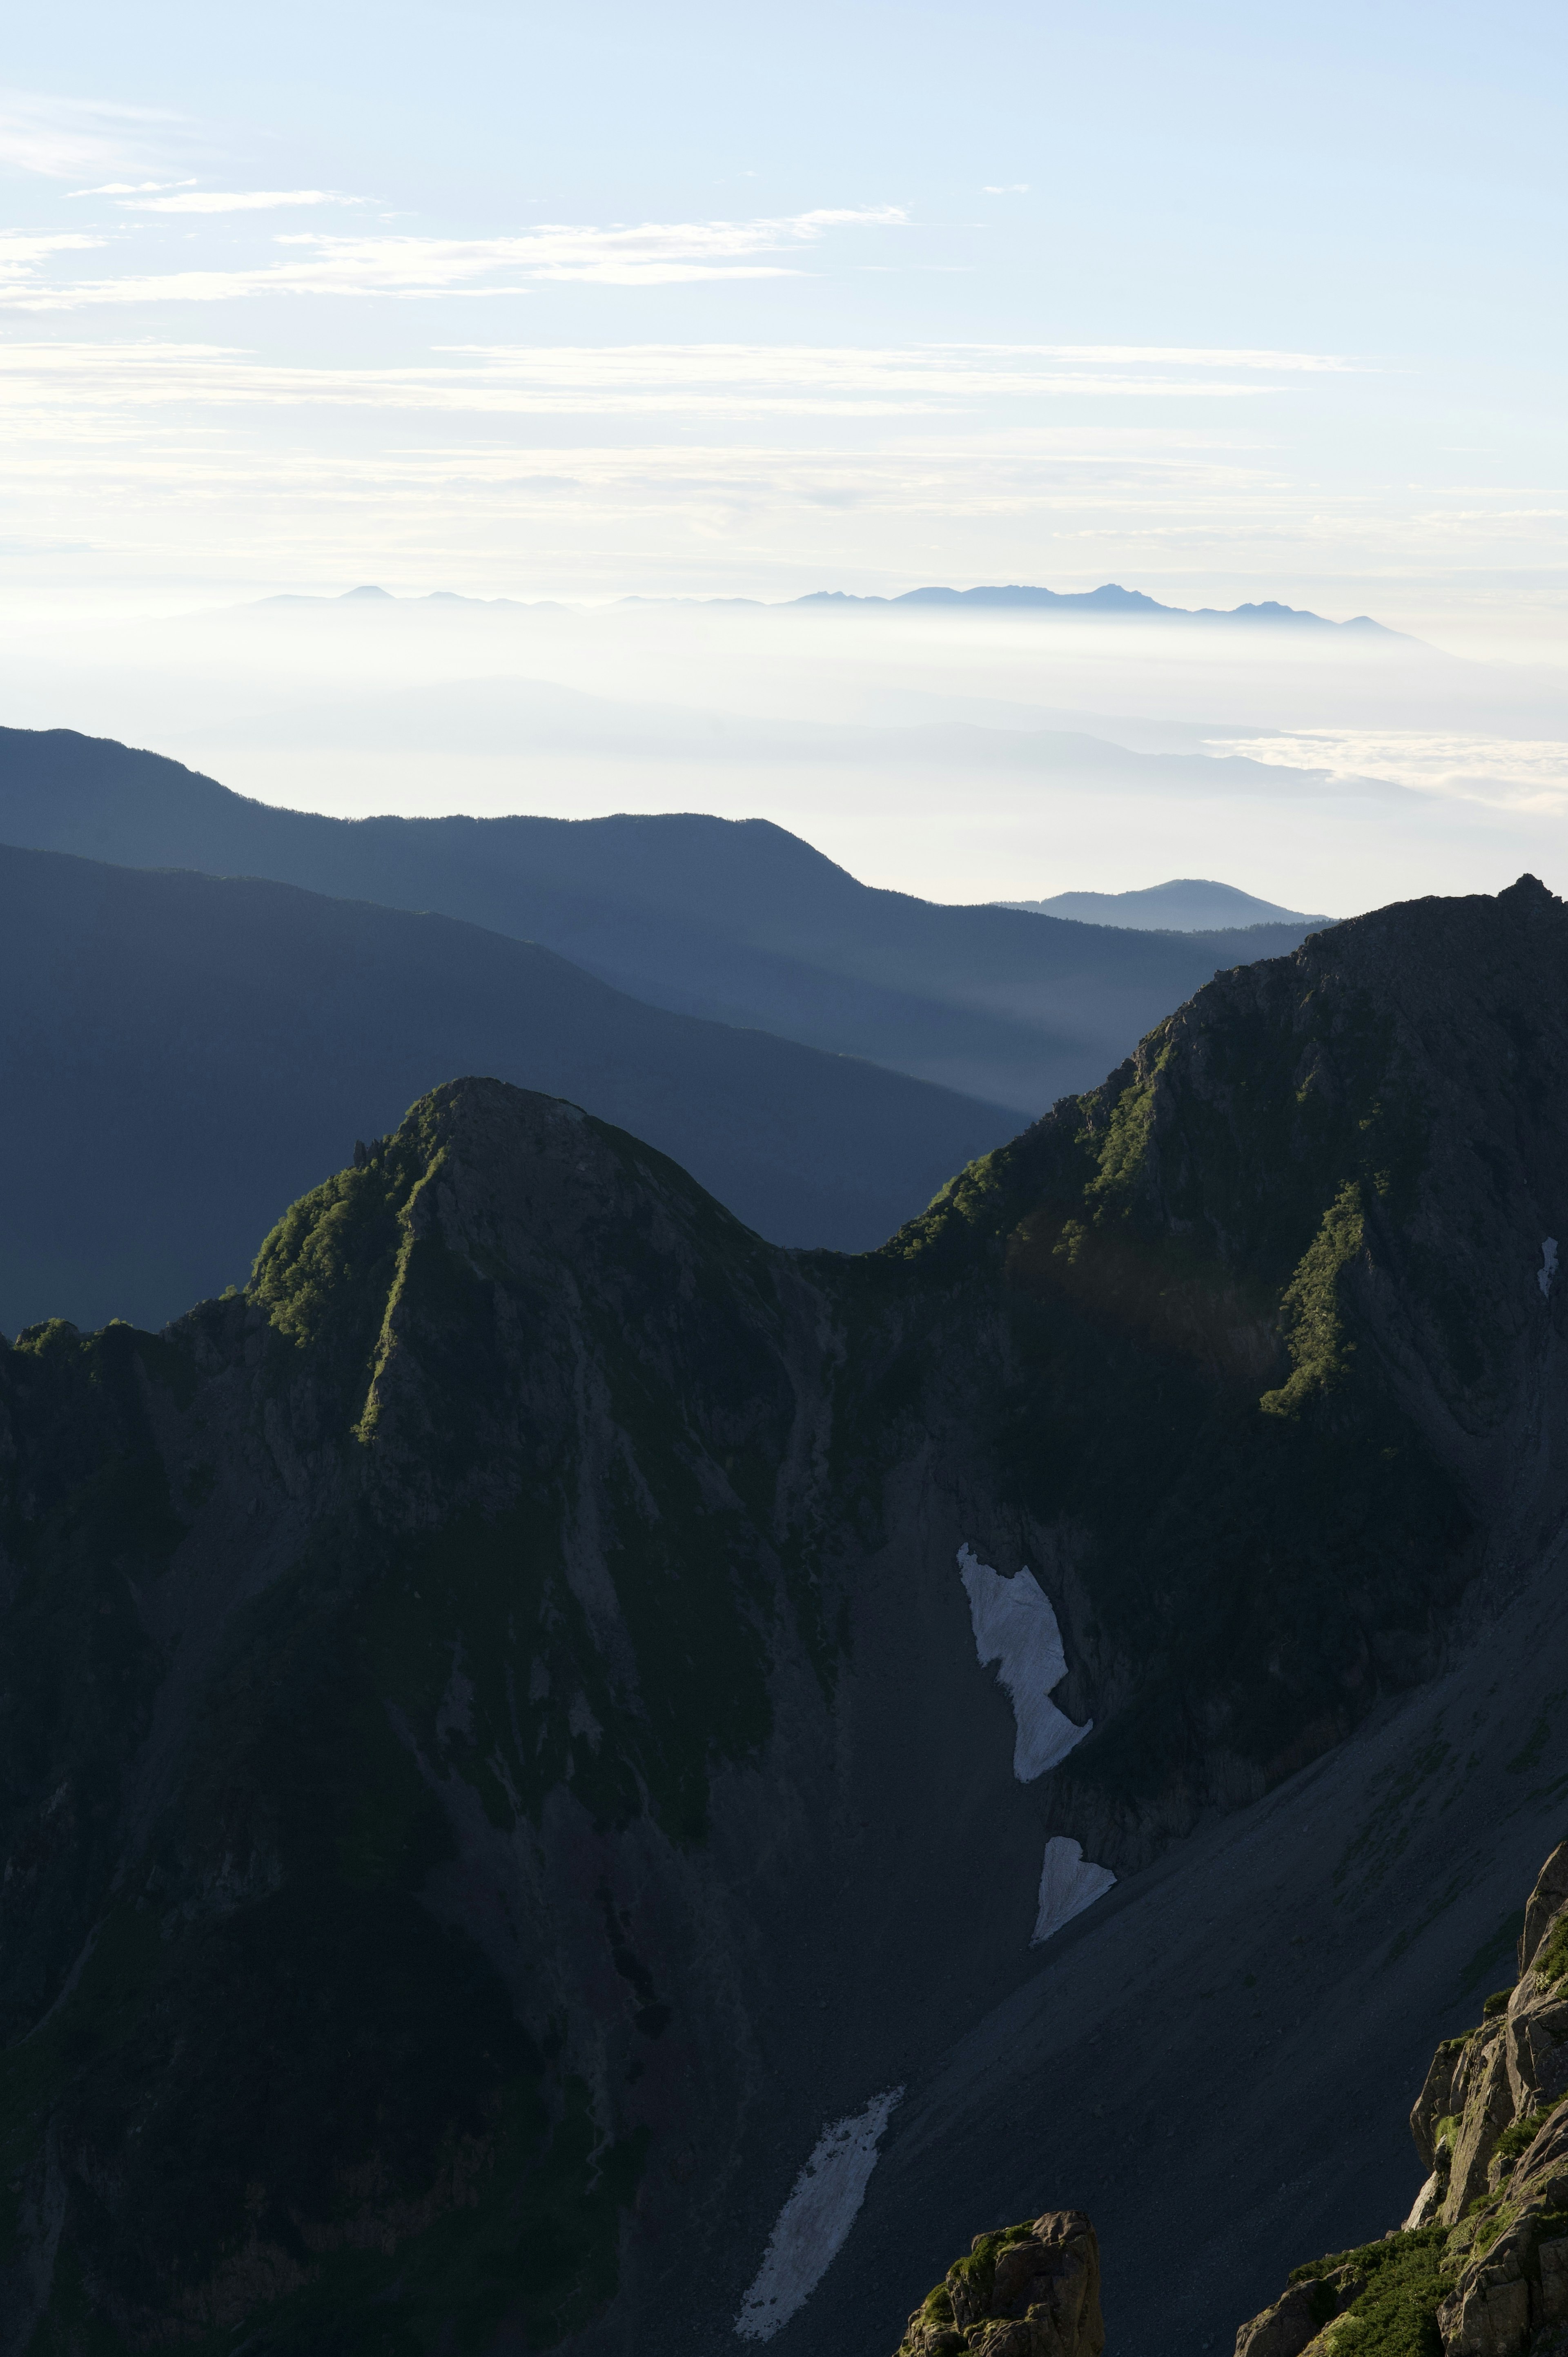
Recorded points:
(1480, 2268)
(513, 1721)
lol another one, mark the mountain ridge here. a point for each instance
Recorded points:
(536, 1577)
(1109, 599)
(233, 1036)
(735, 921)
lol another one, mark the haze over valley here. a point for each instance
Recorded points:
(970, 754)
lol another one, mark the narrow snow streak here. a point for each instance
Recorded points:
(1548, 1269)
(811, 2227)
(1013, 1624)
(1068, 1883)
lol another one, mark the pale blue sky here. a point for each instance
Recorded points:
(1235, 301)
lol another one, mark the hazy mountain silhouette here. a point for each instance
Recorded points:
(1188, 904)
(738, 921)
(1110, 598)
(180, 1053)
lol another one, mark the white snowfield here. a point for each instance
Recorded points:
(1013, 1624)
(1068, 1883)
(1548, 1269)
(811, 2228)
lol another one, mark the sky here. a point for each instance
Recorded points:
(1224, 301)
(571, 306)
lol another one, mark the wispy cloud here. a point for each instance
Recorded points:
(749, 464)
(703, 380)
(648, 253)
(129, 188)
(63, 139)
(21, 254)
(233, 200)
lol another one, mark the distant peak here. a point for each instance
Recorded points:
(368, 590)
(1185, 904)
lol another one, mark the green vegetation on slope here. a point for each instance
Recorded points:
(1169, 1247)
(1406, 2277)
(342, 2131)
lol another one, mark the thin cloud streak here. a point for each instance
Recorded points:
(622, 379)
(129, 188)
(236, 200)
(647, 254)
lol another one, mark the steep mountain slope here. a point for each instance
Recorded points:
(734, 921)
(180, 1054)
(1479, 2268)
(536, 1755)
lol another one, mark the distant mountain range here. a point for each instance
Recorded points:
(735, 921)
(1109, 599)
(1187, 905)
(181, 1053)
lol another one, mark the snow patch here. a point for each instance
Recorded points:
(1013, 1624)
(813, 2223)
(1068, 1883)
(1548, 1269)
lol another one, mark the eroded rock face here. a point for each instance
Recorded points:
(1028, 2291)
(1484, 2253)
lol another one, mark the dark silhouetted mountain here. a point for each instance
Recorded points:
(1187, 905)
(504, 1778)
(736, 922)
(1111, 599)
(179, 1053)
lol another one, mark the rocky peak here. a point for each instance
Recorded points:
(1023, 2291)
(461, 1281)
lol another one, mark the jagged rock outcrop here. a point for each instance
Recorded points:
(1481, 2263)
(465, 1700)
(1024, 2291)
